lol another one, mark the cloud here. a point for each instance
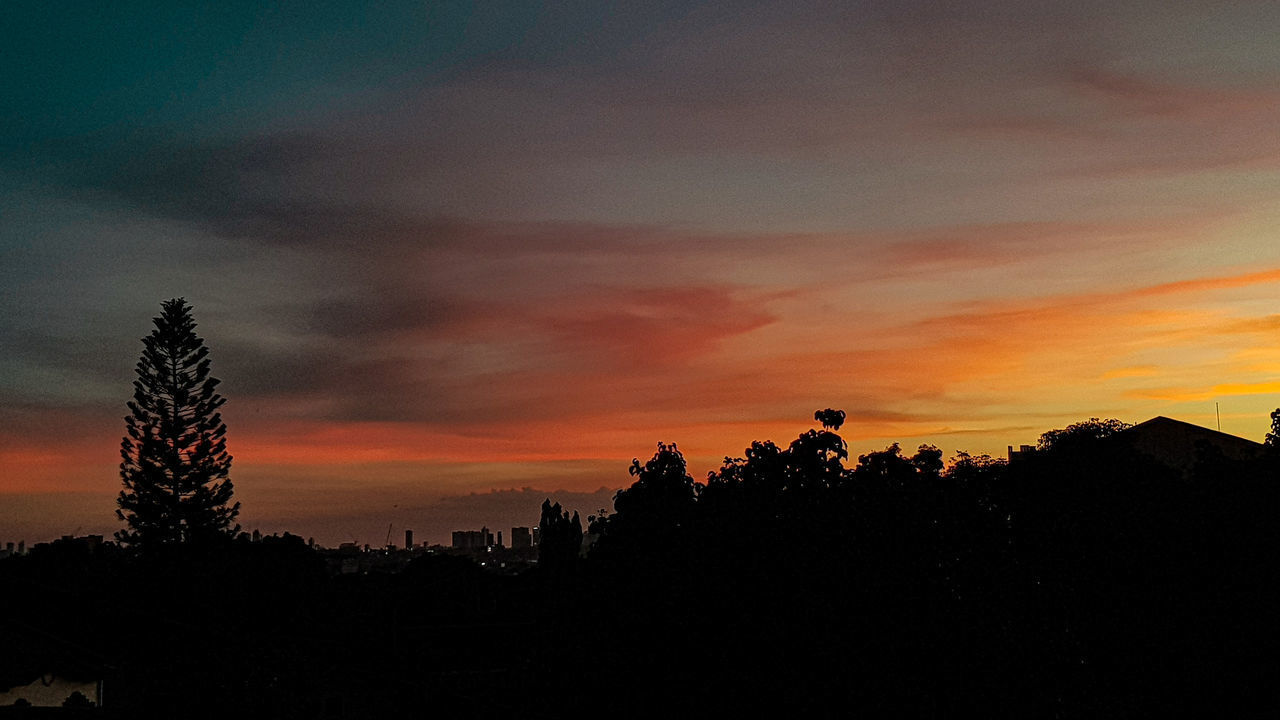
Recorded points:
(483, 359)
(1196, 285)
(399, 334)
(651, 326)
(983, 246)
(1266, 324)
(1191, 394)
(1135, 94)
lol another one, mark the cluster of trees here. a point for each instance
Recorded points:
(862, 586)
(1087, 579)
(1084, 580)
(559, 537)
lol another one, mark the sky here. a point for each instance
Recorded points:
(453, 258)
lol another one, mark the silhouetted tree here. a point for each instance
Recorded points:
(815, 460)
(1082, 432)
(1273, 437)
(887, 466)
(928, 460)
(772, 485)
(830, 419)
(979, 474)
(559, 536)
(663, 493)
(965, 466)
(653, 517)
(174, 458)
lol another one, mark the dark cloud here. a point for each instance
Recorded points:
(372, 312)
(985, 246)
(234, 187)
(465, 366)
(34, 356)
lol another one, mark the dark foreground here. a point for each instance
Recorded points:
(1088, 580)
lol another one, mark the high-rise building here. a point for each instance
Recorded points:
(408, 539)
(1021, 453)
(472, 539)
(521, 538)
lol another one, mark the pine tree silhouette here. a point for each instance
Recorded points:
(174, 456)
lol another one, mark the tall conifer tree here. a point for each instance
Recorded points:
(174, 455)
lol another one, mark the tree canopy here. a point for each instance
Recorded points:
(1081, 432)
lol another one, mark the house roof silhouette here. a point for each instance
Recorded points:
(1177, 443)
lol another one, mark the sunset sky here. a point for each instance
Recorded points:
(451, 259)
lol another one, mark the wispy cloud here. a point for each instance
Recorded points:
(1185, 394)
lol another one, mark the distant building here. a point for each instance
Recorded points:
(521, 538)
(500, 538)
(1177, 444)
(1174, 443)
(408, 539)
(1021, 452)
(472, 539)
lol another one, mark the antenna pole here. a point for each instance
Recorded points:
(1219, 414)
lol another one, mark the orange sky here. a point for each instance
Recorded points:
(977, 377)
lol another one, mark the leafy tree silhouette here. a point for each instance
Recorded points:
(830, 419)
(663, 490)
(652, 520)
(174, 459)
(1079, 433)
(786, 559)
(1273, 437)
